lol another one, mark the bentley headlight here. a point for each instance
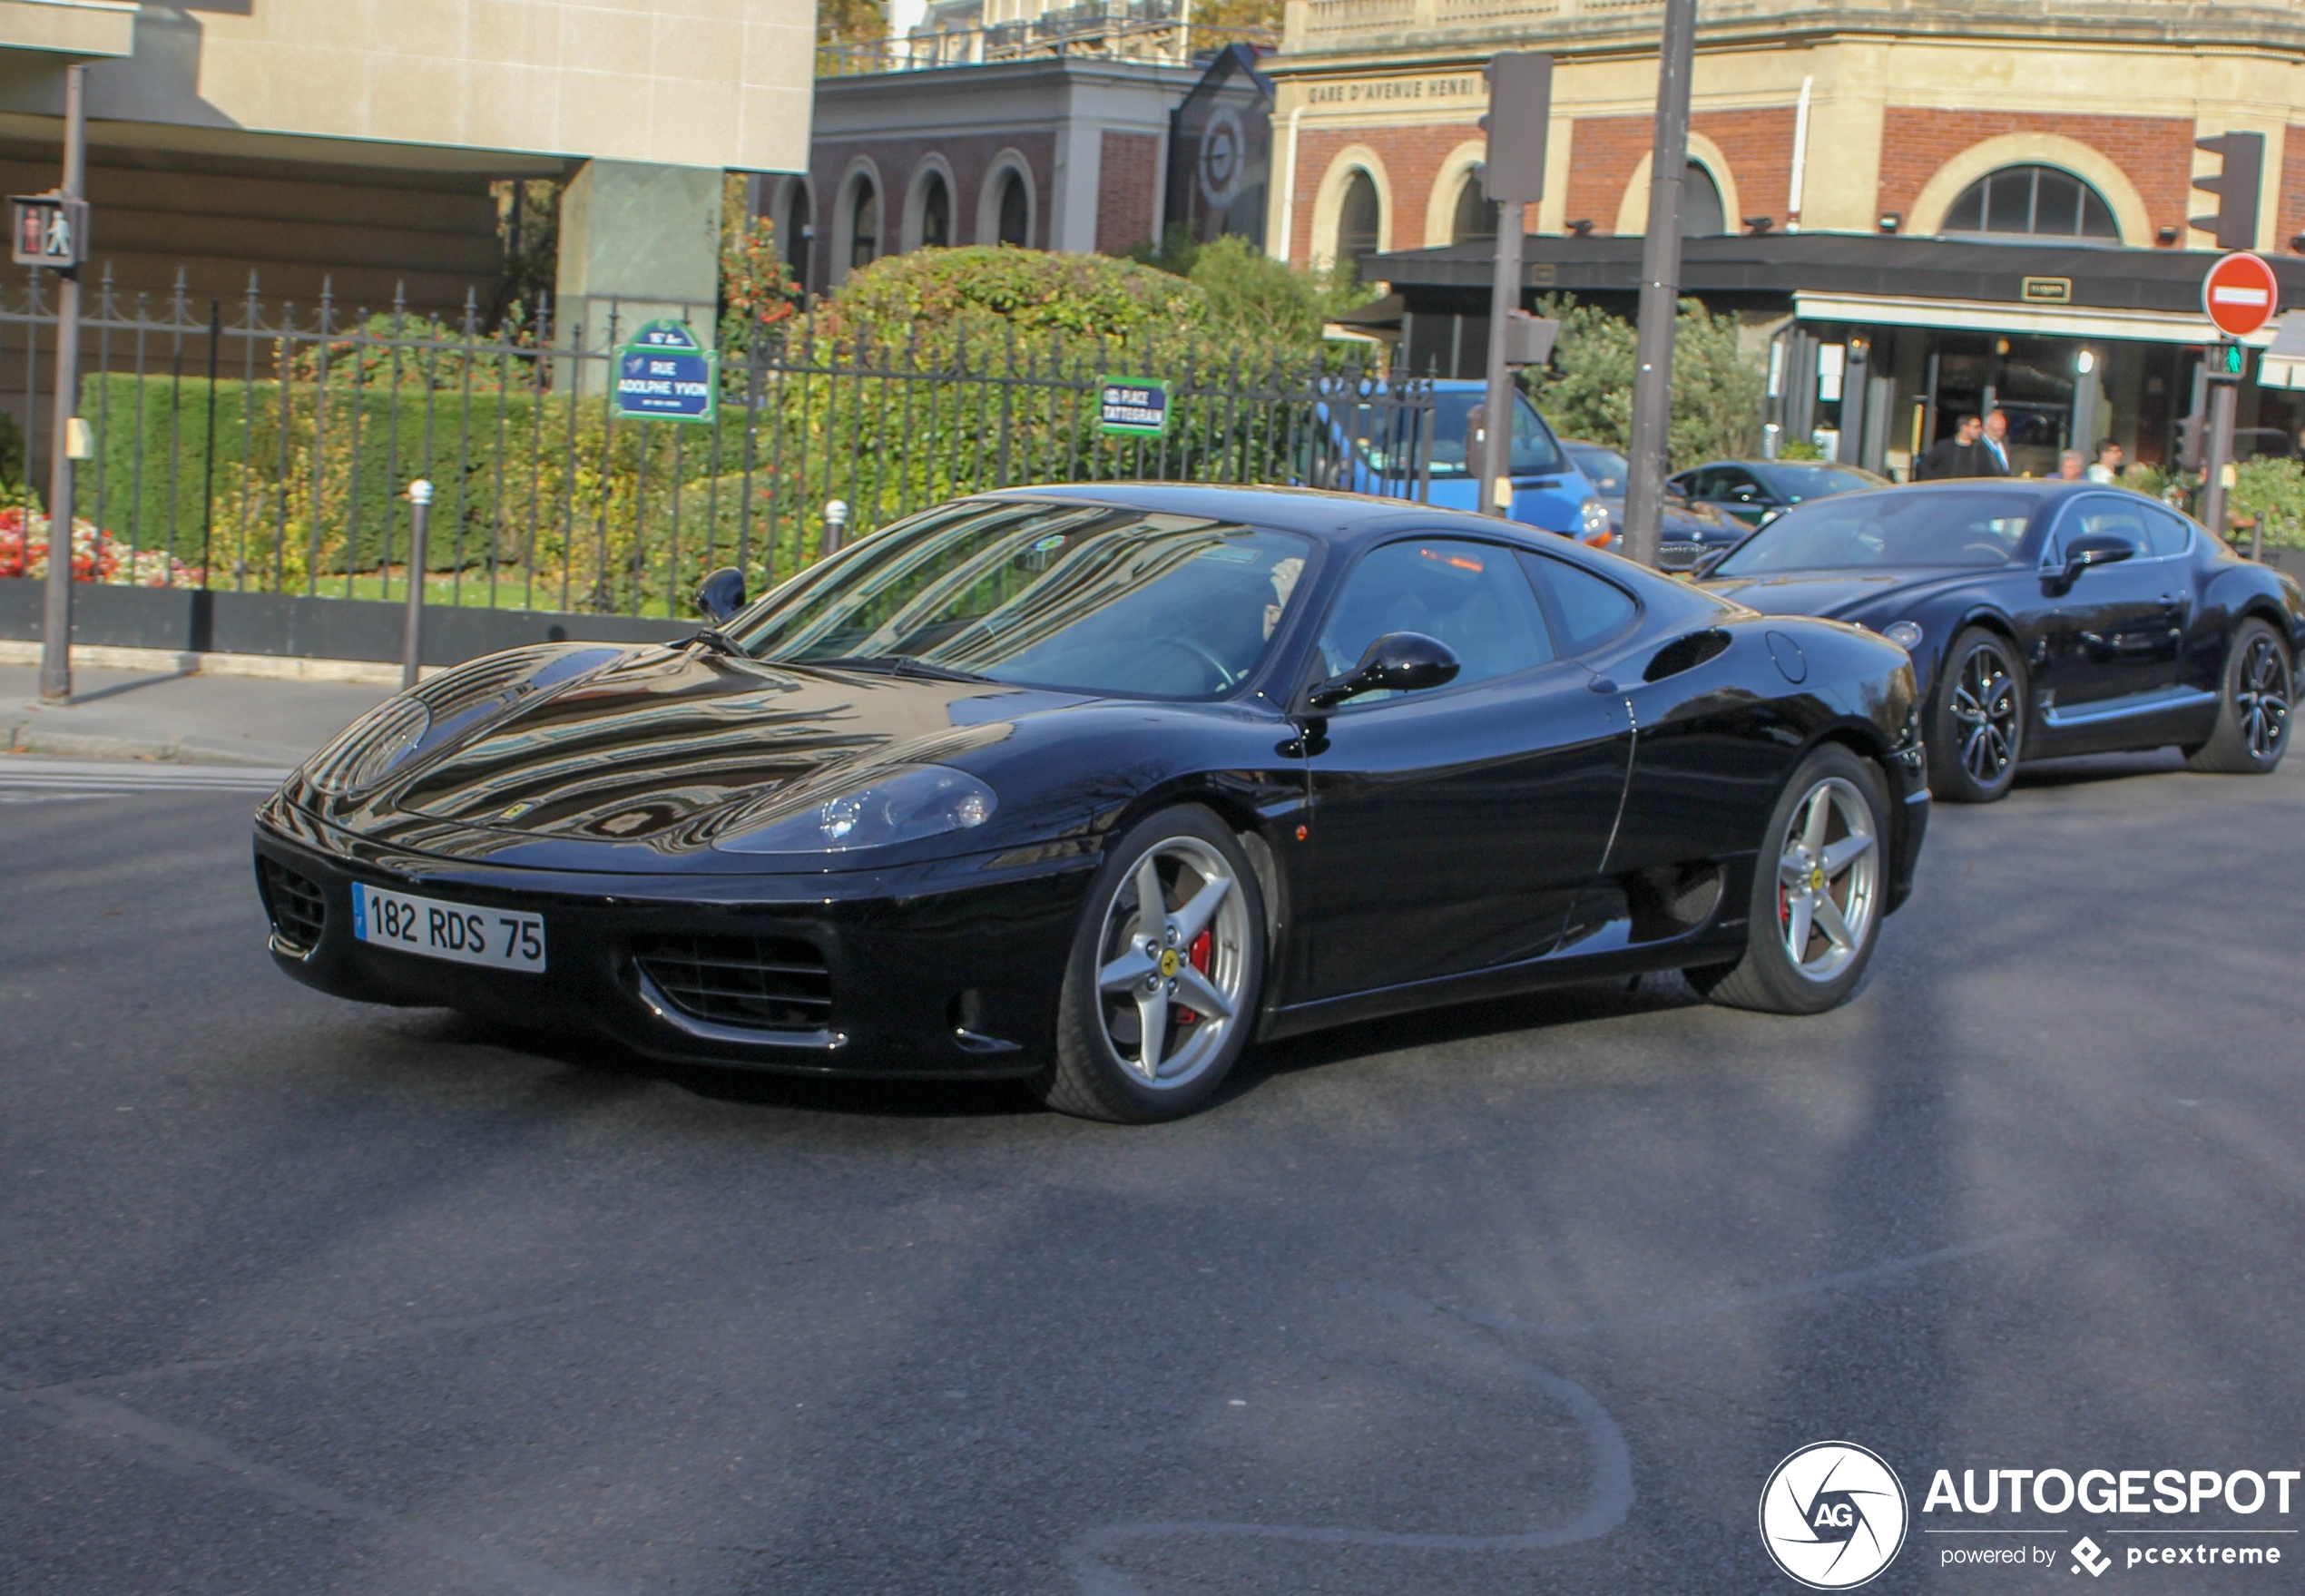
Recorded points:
(1594, 519)
(1905, 634)
(923, 800)
(369, 749)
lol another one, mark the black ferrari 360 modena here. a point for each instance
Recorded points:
(2044, 619)
(1094, 785)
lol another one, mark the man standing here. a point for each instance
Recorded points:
(2069, 466)
(1996, 441)
(2110, 460)
(1962, 454)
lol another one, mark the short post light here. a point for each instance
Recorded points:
(412, 636)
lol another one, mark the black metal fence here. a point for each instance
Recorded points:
(252, 448)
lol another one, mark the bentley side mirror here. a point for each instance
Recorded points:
(1399, 661)
(721, 594)
(2096, 548)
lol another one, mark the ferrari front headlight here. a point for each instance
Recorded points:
(906, 806)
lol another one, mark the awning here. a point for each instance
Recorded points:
(2061, 321)
(2284, 363)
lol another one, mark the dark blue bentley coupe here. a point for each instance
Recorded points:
(2044, 619)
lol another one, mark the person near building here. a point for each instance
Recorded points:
(1996, 440)
(2069, 465)
(1962, 454)
(2109, 463)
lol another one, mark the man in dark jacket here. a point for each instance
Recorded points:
(1965, 454)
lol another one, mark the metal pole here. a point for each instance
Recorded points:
(1496, 409)
(55, 625)
(2223, 399)
(412, 637)
(1660, 289)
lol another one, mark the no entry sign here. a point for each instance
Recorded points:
(2241, 294)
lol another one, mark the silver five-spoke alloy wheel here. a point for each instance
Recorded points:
(2260, 699)
(1829, 879)
(1173, 967)
(1984, 706)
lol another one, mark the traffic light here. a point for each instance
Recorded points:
(2192, 442)
(2235, 184)
(1520, 113)
(2228, 362)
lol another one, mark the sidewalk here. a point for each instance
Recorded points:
(196, 719)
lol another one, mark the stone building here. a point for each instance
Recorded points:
(2033, 128)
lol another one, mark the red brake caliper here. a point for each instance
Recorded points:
(1197, 956)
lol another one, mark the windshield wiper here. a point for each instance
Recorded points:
(718, 642)
(894, 665)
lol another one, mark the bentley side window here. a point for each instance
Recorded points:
(1470, 595)
(2170, 534)
(2101, 515)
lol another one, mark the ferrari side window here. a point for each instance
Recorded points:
(1469, 595)
(1591, 609)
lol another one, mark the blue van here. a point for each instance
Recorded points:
(1549, 490)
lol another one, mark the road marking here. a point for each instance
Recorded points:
(1091, 1556)
(31, 778)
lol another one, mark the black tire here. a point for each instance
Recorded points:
(1091, 1073)
(1767, 978)
(2252, 706)
(1976, 722)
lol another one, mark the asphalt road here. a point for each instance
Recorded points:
(298, 1297)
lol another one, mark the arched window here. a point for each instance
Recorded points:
(1476, 220)
(1357, 220)
(1016, 210)
(1702, 212)
(2037, 200)
(864, 224)
(935, 213)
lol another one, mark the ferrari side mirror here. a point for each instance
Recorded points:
(1399, 661)
(721, 594)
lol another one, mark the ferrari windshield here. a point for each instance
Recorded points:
(1962, 527)
(1085, 598)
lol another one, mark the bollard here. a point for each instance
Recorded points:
(836, 523)
(412, 638)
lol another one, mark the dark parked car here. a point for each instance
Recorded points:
(1754, 491)
(1091, 786)
(1689, 531)
(2043, 618)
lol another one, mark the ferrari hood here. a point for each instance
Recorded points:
(661, 744)
(1832, 595)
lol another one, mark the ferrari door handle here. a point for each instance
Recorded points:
(1603, 684)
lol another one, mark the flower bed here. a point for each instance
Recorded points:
(96, 554)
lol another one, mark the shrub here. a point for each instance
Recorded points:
(2271, 492)
(991, 291)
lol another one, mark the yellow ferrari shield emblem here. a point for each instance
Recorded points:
(1168, 961)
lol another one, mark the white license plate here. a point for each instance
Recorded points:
(498, 938)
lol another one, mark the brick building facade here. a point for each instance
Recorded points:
(2014, 121)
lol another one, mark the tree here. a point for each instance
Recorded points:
(1717, 388)
(757, 290)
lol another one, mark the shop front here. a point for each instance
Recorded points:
(1875, 348)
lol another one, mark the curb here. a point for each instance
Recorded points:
(25, 737)
(265, 667)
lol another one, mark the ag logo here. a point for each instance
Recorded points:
(1833, 1515)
